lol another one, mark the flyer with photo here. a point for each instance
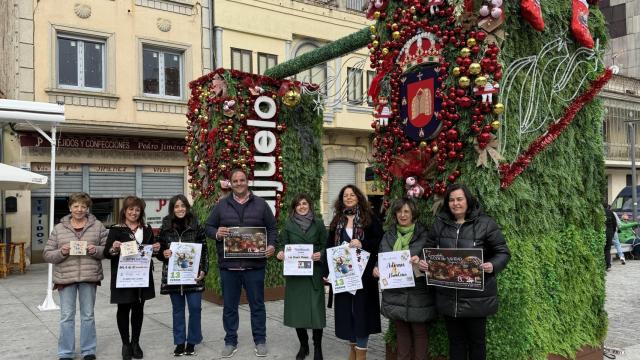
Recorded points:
(298, 260)
(245, 242)
(133, 270)
(455, 268)
(344, 272)
(129, 248)
(77, 247)
(184, 263)
(396, 270)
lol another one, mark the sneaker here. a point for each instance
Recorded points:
(229, 351)
(608, 269)
(89, 357)
(179, 350)
(261, 350)
(190, 349)
(623, 262)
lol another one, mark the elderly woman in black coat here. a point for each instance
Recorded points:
(461, 223)
(357, 316)
(408, 308)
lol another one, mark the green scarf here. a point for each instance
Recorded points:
(404, 234)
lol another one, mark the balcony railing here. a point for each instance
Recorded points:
(620, 152)
(353, 6)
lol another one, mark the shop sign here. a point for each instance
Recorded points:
(96, 142)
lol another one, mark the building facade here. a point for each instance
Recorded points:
(122, 70)
(622, 94)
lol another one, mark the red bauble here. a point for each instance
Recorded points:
(484, 137)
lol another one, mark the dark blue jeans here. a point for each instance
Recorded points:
(232, 283)
(180, 333)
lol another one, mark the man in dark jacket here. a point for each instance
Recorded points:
(242, 209)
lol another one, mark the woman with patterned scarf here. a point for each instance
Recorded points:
(408, 309)
(357, 316)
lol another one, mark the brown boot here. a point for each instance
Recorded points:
(352, 354)
(361, 354)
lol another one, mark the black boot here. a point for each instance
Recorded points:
(304, 344)
(136, 351)
(126, 351)
(317, 344)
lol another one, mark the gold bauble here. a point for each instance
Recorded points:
(465, 52)
(471, 42)
(373, 37)
(372, 50)
(498, 109)
(375, 43)
(376, 15)
(291, 98)
(495, 125)
(434, 149)
(372, 29)
(474, 69)
(481, 81)
(455, 71)
(395, 35)
(385, 51)
(412, 9)
(223, 166)
(423, 144)
(394, 26)
(464, 82)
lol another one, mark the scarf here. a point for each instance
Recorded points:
(358, 231)
(404, 234)
(304, 221)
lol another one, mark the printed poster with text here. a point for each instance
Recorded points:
(455, 268)
(395, 270)
(344, 272)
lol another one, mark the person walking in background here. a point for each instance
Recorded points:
(356, 316)
(304, 295)
(131, 227)
(77, 276)
(616, 238)
(611, 228)
(461, 223)
(242, 209)
(408, 308)
(178, 227)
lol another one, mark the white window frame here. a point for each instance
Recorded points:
(80, 41)
(161, 76)
(358, 86)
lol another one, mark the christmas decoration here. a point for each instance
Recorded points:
(510, 171)
(580, 23)
(532, 13)
(413, 188)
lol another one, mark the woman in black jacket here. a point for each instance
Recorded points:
(131, 227)
(462, 224)
(357, 316)
(408, 308)
(180, 226)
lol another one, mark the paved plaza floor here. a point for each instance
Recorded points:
(28, 333)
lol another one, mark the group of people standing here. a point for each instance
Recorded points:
(78, 276)
(461, 223)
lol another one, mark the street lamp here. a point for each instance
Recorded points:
(634, 182)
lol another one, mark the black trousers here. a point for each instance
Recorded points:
(122, 316)
(466, 338)
(607, 254)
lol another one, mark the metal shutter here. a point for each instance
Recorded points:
(162, 186)
(66, 184)
(112, 185)
(339, 174)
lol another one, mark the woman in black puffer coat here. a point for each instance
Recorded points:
(180, 226)
(462, 224)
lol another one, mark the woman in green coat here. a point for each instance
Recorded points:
(304, 295)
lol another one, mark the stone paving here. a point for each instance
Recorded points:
(28, 333)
